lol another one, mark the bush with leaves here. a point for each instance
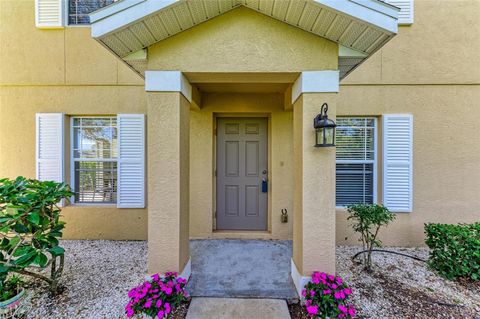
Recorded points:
(367, 220)
(454, 250)
(30, 228)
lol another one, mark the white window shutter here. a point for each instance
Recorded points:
(50, 13)
(50, 147)
(397, 162)
(131, 161)
(405, 16)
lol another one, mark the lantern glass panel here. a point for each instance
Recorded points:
(329, 135)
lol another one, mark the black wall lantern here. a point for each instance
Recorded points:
(324, 128)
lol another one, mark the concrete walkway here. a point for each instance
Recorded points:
(241, 268)
(228, 308)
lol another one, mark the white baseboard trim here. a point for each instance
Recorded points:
(187, 270)
(298, 280)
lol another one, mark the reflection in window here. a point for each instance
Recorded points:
(95, 159)
(355, 173)
(78, 10)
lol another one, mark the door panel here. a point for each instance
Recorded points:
(242, 158)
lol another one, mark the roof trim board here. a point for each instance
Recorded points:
(363, 26)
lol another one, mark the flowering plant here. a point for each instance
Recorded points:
(327, 296)
(157, 297)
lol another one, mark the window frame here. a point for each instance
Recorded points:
(375, 159)
(66, 12)
(73, 160)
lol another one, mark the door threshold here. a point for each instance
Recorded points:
(242, 234)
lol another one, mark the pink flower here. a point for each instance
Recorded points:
(167, 308)
(351, 311)
(342, 308)
(347, 291)
(312, 292)
(155, 277)
(339, 280)
(308, 302)
(304, 293)
(332, 278)
(129, 311)
(312, 310)
(159, 303)
(334, 286)
(339, 295)
(160, 314)
(147, 304)
(327, 292)
(316, 280)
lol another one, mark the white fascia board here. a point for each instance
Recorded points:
(112, 9)
(345, 52)
(120, 19)
(380, 6)
(368, 11)
(168, 81)
(316, 82)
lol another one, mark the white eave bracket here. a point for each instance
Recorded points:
(168, 81)
(315, 82)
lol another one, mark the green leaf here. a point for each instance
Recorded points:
(26, 260)
(34, 218)
(23, 250)
(5, 219)
(57, 251)
(41, 260)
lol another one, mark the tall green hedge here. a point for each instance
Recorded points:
(454, 249)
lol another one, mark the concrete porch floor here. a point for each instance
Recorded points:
(241, 269)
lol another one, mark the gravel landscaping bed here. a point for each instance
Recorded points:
(98, 275)
(401, 287)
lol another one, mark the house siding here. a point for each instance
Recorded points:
(428, 70)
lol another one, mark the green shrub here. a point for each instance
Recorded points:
(367, 220)
(454, 249)
(30, 228)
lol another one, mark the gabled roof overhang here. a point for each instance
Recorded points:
(360, 27)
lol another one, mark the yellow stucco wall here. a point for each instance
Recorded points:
(446, 153)
(61, 71)
(243, 40)
(168, 181)
(314, 192)
(428, 70)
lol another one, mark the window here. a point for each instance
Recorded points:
(78, 10)
(94, 154)
(356, 161)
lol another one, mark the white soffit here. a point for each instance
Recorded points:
(128, 26)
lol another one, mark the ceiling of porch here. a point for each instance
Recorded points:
(361, 27)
